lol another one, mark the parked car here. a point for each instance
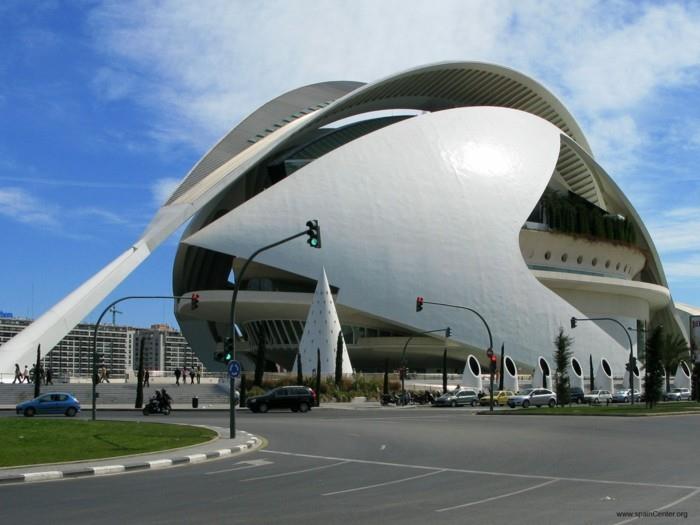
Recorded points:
(533, 397)
(623, 396)
(576, 395)
(458, 398)
(500, 398)
(677, 394)
(598, 396)
(50, 403)
(295, 398)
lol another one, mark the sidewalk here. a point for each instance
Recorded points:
(217, 448)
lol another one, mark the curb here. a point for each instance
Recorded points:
(253, 442)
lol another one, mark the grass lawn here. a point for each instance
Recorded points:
(25, 441)
(639, 409)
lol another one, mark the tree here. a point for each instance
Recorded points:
(385, 390)
(139, 377)
(500, 368)
(339, 359)
(673, 350)
(653, 377)
(260, 358)
(318, 377)
(300, 376)
(444, 371)
(590, 370)
(562, 355)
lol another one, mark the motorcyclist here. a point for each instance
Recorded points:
(165, 399)
(158, 399)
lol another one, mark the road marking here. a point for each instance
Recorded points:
(160, 463)
(498, 497)
(244, 465)
(676, 502)
(366, 487)
(107, 469)
(197, 458)
(296, 471)
(484, 472)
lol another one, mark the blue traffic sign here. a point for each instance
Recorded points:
(234, 369)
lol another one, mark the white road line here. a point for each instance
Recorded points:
(497, 497)
(296, 471)
(366, 487)
(485, 472)
(676, 502)
(243, 465)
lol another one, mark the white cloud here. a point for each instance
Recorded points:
(677, 230)
(18, 205)
(162, 189)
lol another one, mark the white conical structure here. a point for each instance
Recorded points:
(471, 378)
(542, 377)
(604, 376)
(575, 373)
(510, 375)
(682, 378)
(321, 333)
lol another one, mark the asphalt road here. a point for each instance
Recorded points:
(389, 465)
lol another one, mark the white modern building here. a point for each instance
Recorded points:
(465, 183)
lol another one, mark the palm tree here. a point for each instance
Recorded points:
(673, 350)
(653, 377)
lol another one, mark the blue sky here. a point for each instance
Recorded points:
(105, 106)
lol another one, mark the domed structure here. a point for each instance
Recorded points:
(466, 183)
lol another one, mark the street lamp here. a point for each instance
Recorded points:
(632, 361)
(420, 301)
(313, 230)
(404, 362)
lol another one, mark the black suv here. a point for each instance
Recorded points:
(575, 395)
(296, 398)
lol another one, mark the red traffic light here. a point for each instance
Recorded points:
(194, 301)
(493, 359)
(419, 304)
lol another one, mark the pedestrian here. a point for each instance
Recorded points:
(199, 373)
(177, 376)
(184, 375)
(49, 376)
(192, 374)
(102, 372)
(25, 374)
(18, 374)
(145, 379)
(107, 374)
(32, 375)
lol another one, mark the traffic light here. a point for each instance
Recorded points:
(573, 323)
(628, 367)
(448, 331)
(419, 304)
(228, 349)
(314, 233)
(194, 301)
(493, 360)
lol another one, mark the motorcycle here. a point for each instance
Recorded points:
(155, 407)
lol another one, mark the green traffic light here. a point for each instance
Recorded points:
(313, 242)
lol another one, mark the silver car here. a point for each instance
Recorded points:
(598, 397)
(678, 394)
(534, 397)
(458, 398)
(623, 396)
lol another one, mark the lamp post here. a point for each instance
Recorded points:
(632, 361)
(404, 362)
(94, 340)
(420, 301)
(313, 230)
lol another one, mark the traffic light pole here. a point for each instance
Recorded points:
(632, 361)
(94, 340)
(403, 355)
(420, 302)
(313, 231)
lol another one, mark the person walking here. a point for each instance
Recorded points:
(49, 376)
(18, 374)
(145, 379)
(184, 375)
(25, 374)
(177, 376)
(192, 374)
(199, 373)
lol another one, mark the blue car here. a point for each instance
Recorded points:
(51, 403)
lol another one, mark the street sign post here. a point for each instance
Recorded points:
(234, 369)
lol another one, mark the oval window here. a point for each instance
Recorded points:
(579, 259)
(594, 261)
(564, 257)
(547, 255)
